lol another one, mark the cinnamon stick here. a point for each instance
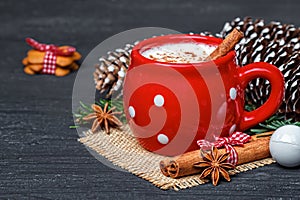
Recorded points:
(227, 45)
(256, 149)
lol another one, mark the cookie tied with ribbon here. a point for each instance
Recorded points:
(50, 59)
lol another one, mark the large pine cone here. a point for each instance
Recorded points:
(274, 43)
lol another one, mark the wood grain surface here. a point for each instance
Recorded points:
(40, 157)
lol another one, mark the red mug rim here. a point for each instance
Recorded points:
(166, 39)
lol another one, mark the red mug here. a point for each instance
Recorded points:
(169, 106)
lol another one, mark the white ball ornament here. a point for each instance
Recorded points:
(285, 145)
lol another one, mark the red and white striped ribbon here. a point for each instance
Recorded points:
(49, 64)
(236, 139)
(67, 51)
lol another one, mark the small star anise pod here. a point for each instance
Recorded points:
(103, 118)
(215, 165)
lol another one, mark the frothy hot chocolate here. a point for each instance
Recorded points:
(180, 52)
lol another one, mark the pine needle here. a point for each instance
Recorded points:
(273, 123)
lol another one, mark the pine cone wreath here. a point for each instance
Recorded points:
(274, 43)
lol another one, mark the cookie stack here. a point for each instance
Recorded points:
(50, 59)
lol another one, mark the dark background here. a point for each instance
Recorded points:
(40, 157)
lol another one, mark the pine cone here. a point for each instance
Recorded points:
(274, 43)
(111, 70)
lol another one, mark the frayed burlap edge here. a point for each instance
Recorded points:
(121, 148)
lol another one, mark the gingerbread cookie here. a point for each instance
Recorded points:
(59, 71)
(28, 70)
(62, 71)
(37, 57)
(35, 67)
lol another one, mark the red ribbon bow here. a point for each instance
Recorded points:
(236, 139)
(51, 52)
(67, 51)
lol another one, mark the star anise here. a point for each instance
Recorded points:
(103, 118)
(215, 165)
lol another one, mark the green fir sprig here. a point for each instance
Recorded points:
(85, 109)
(273, 123)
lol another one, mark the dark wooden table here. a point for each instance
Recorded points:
(40, 157)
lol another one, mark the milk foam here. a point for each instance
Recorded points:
(180, 52)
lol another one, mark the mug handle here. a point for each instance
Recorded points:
(275, 77)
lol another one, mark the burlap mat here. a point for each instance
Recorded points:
(121, 148)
